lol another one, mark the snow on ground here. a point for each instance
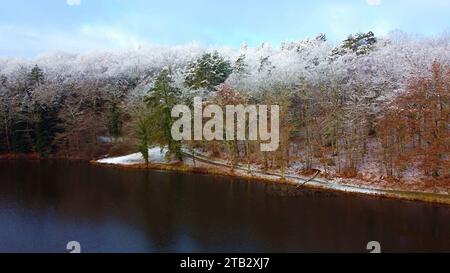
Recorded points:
(155, 155)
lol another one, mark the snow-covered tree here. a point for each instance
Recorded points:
(208, 71)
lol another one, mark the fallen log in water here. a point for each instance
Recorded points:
(309, 180)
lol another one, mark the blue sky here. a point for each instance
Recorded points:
(30, 27)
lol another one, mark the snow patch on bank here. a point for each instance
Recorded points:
(155, 155)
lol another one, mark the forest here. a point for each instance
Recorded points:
(370, 107)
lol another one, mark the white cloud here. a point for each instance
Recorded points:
(19, 41)
(109, 36)
(373, 2)
(73, 2)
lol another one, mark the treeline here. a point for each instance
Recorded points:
(370, 104)
(66, 120)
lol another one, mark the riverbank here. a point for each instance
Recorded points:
(201, 164)
(37, 157)
(14, 156)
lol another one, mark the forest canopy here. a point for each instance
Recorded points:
(369, 104)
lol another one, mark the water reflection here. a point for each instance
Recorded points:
(45, 205)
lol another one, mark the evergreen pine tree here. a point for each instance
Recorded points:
(45, 129)
(144, 135)
(160, 100)
(360, 43)
(36, 76)
(209, 71)
(114, 120)
(240, 66)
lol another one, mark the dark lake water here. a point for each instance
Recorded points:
(45, 205)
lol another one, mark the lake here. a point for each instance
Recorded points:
(44, 205)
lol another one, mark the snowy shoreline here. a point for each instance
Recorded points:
(206, 165)
(155, 155)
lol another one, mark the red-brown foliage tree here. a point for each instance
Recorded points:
(415, 128)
